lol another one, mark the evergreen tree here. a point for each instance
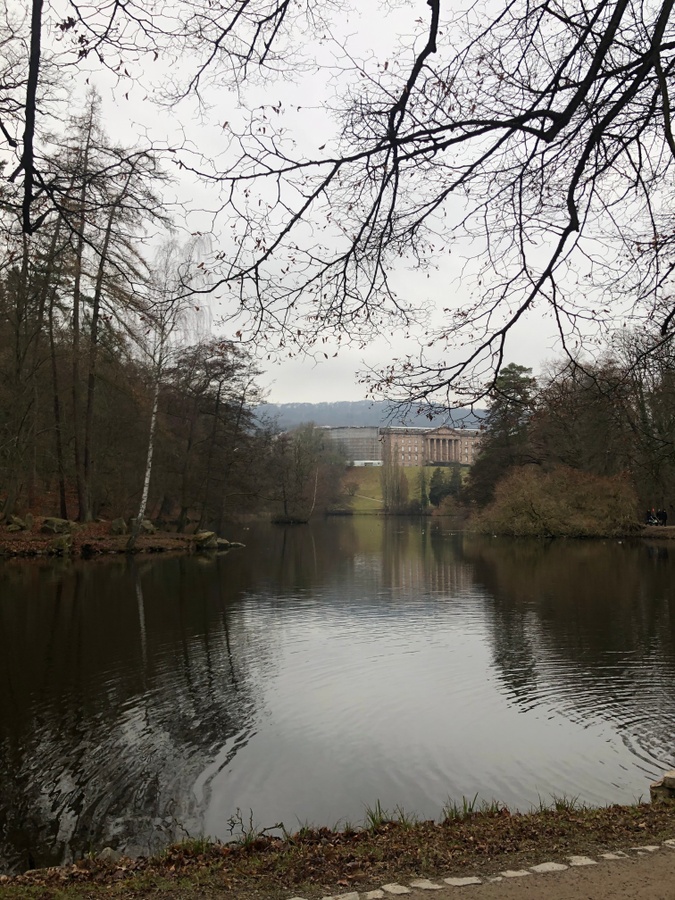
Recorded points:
(506, 443)
(437, 487)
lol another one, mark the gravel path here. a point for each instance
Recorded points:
(645, 873)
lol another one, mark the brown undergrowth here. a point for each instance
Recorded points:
(314, 862)
(89, 540)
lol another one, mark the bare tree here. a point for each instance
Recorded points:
(67, 35)
(166, 312)
(541, 131)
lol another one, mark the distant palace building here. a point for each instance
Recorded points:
(408, 446)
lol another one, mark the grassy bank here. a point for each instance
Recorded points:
(363, 489)
(314, 862)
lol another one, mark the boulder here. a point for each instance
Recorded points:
(236, 544)
(20, 523)
(61, 544)
(659, 792)
(206, 540)
(222, 544)
(12, 529)
(108, 855)
(118, 526)
(53, 525)
(146, 526)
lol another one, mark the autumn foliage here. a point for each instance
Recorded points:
(564, 502)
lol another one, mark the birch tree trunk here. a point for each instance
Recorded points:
(136, 529)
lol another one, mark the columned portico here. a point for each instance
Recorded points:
(437, 446)
(445, 446)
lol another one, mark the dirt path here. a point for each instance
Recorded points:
(643, 876)
(649, 877)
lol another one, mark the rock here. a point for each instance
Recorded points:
(118, 526)
(53, 525)
(669, 779)
(236, 544)
(206, 540)
(12, 529)
(61, 544)
(109, 855)
(659, 792)
(146, 526)
(353, 895)
(546, 867)
(29, 521)
(461, 882)
(222, 544)
(19, 523)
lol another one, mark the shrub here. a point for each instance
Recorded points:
(564, 502)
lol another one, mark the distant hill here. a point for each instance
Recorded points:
(362, 412)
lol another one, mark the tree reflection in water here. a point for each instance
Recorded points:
(140, 701)
(120, 688)
(587, 628)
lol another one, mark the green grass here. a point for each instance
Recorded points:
(376, 817)
(368, 496)
(455, 812)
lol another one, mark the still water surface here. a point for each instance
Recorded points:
(323, 668)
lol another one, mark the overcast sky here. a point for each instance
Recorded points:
(332, 379)
(319, 379)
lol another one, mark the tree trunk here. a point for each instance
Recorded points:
(93, 344)
(84, 513)
(18, 412)
(183, 515)
(209, 463)
(135, 531)
(230, 460)
(57, 417)
(93, 360)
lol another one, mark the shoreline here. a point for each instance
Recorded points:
(86, 541)
(314, 863)
(96, 539)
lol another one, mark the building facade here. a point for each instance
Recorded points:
(430, 446)
(360, 444)
(407, 446)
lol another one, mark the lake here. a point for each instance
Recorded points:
(322, 669)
